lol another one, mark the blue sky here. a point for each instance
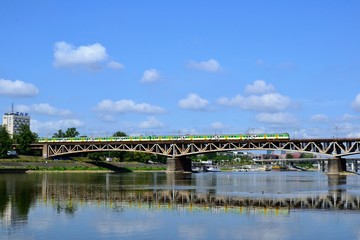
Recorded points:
(166, 67)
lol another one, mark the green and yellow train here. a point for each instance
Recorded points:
(262, 136)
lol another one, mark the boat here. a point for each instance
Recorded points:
(195, 169)
(212, 169)
(279, 168)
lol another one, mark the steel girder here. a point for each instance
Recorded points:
(330, 147)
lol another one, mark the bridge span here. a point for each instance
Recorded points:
(178, 151)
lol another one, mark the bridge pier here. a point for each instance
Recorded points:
(45, 151)
(336, 165)
(179, 164)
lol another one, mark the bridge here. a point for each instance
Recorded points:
(178, 151)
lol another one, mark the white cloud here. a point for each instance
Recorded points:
(150, 75)
(263, 98)
(320, 118)
(47, 109)
(193, 102)
(356, 103)
(22, 108)
(275, 118)
(90, 56)
(42, 108)
(17, 88)
(50, 127)
(115, 65)
(259, 87)
(65, 123)
(127, 106)
(151, 122)
(210, 65)
(270, 102)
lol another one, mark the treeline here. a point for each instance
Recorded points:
(23, 140)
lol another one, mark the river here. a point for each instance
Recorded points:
(159, 205)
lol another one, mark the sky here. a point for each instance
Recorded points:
(183, 67)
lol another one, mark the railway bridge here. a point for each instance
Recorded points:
(178, 151)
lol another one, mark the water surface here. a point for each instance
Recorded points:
(250, 205)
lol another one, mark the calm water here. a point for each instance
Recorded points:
(252, 205)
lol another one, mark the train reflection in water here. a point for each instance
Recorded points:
(66, 192)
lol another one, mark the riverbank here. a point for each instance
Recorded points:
(84, 165)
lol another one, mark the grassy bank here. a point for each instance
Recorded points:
(78, 165)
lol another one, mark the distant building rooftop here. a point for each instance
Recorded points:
(17, 114)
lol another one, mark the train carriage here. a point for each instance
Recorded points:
(262, 136)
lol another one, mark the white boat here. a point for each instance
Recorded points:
(212, 169)
(196, 169)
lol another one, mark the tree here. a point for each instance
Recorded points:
(24, 138)
(119, 134)
(59, 134)
(5, 141)
(137, 157)
(70, 132)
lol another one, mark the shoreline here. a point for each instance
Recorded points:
(87, 166)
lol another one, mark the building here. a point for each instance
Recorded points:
(13, 121)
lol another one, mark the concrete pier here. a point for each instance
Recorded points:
(336, 165)
(181, 164)
(45, 151)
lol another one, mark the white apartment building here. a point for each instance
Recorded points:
(13, 121)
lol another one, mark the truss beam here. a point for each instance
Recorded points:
(330, 147)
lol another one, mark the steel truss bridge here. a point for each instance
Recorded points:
(179, 150)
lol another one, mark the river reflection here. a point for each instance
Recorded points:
(26, 199)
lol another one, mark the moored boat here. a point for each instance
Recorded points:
(195, 169)
(212, 169)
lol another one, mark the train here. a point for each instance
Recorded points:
(262, 136)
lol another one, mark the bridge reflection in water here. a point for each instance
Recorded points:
(67, 192)
(336, 198)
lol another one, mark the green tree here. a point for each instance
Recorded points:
(95, 156)
(119, 134)
(141, 157)
(5, 141)
(59, 134)
(71, 132)
(24, 138)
